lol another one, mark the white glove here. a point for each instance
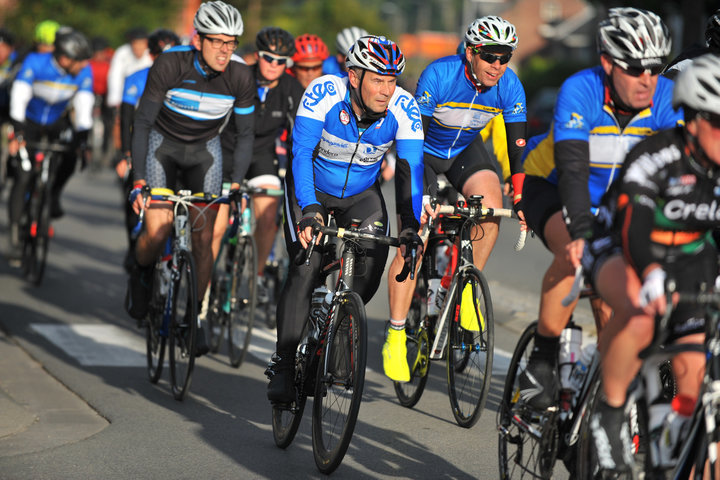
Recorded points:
(653, 287)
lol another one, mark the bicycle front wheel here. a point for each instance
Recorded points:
(243, 298)
(339, 382)
(471, 338)
(156, 330)
(184, 325)
(418, 346)
(218, 300)
(527, 443)
(37, 235)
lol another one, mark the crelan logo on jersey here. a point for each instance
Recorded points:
(576, 121)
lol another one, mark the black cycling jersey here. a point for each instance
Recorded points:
(185, 103)
(275, 110)
(664, 206)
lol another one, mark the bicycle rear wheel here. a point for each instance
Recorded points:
(156, 331)
(243, 299)
(37, 235)
(527, 443)
(184, 325)
(418, 347)
(339, 383)
(471, 338)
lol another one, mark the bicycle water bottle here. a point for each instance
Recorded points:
(579, 372)
(165, 274)
(569, 353)
(432, 289)
(246, 216)
(442, 290)
(320, 305)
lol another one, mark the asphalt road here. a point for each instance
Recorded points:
(73, 330)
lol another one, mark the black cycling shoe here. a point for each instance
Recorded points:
(281, 373)
(201, 346)
(139, 290)
(56, 210)
(539, 384)
(611, 434)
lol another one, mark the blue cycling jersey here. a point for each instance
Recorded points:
(459, 110)
(134, 86)
(332, 155)
(582, 113)
(45, 90)
(331, 65)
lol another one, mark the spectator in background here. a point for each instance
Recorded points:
(310, 52)
(8, 57)
(100, 65)
(128, 59)
(344, 40)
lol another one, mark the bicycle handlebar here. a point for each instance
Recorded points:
(481, 212)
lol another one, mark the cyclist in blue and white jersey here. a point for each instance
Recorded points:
(458, 96)
(600, 114)
(343, 128)
(45, 86)
(176, 143)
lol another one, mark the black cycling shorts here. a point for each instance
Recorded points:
(540, 201)
(175, 165)
(459, 169)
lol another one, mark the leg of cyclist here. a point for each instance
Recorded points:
(265, 208)
(487, 184)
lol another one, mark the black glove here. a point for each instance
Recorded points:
(312, 219)
(410, 242)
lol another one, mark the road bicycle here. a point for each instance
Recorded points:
(463, 331)
(34, 225)
(233, 288)
(172, 317)
(697, 458)
(331, 356)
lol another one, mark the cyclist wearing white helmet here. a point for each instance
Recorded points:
(656, 222)
(176, 143)
(343, 129)
(343, 41)
(600, 114)
(458, 96)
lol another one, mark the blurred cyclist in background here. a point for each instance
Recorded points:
(310, 52)
(343, 41)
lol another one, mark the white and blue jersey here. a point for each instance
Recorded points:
(42, 91)
(459, 110)
(135, 86)
(331, 154)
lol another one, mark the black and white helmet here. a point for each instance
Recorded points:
(491, 30)
(698, 86)
(218, 18)
(712, 31)
(634, 37)
(72, 44)
(347, 37)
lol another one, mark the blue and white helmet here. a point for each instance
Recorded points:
(377, 54)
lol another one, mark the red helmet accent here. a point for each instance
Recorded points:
(310, 47)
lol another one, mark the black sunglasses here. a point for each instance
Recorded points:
(712, 118)
(490, 58)
(637, 71)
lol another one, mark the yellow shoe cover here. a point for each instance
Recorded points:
(394, 354)
(470, 318)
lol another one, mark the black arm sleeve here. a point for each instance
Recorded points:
(244, 137)
(515, 133)
(636, 221)
(572, 160)
(127, 112)
(145, 117)
(403, 195)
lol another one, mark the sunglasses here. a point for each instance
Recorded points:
(638, 71)
(270, 58)
(712, 118)
(490, 58)
(310, 68)
(217, 43)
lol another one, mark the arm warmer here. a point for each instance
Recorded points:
(516, 132)
(127, 112)
(572, 160)
(244, 137)
(145, 117)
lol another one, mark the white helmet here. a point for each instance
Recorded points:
(218, 18)
(491, 30)
(635, 37)
(698, 85)
(347, 37)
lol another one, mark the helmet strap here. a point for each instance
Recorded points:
(699, 160)
(207, 70)
(368, 117)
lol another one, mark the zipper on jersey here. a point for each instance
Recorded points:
(347, 172)
(460, 130)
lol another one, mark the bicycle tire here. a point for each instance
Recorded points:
(37, 235)
(470, 352)
(418, 346)
(339, 387)
(218, 297)
(183, 326)
(521, 454)
(156, 331)
(243, 299)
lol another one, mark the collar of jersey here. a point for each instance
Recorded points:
(608, 101)
(198, 63)
(471, 79)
